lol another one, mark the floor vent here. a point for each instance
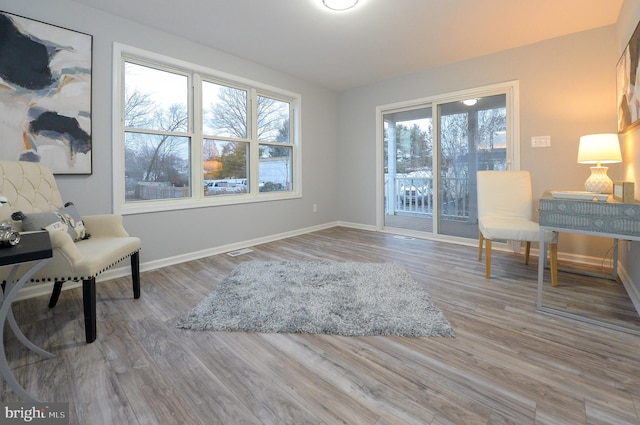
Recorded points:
(239, 252)
(406, 238)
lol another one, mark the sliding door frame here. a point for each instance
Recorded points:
(511, 91)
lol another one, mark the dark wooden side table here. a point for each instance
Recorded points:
(34, 247)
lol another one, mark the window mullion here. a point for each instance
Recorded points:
(436, 147)
(197, 142)
(254, 146)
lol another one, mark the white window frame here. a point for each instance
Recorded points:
(197, 73)
(511, 89)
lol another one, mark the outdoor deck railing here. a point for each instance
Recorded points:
(414, 195)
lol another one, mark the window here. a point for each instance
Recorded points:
(157, 140)
(225, 143)
(193, 137)
(275, 146)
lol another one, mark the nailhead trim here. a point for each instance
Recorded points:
(77, 279)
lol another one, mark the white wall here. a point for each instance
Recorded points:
(176, 233)
(567, 89)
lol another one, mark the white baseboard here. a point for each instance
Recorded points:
(355, 225)
(575, 258)
(41, 289)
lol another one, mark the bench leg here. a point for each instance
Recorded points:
(57, 288)
(89, 303)
(135, 274)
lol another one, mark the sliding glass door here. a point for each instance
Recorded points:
(472, 137)
(431, 153)
(408, 169)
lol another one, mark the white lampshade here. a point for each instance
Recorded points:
(340, 4)
(599, 149)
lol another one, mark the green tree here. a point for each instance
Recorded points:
(234, 160)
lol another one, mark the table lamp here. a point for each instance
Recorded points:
(599, 149)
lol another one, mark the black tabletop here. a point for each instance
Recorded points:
(33, 246)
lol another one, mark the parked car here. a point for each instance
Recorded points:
(219, 187)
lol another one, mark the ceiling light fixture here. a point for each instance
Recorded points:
(470, 102)
(340, 4)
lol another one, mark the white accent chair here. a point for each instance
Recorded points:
(505, 212)
(31, 188)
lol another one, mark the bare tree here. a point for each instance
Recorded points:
(229, 115)
(210, 150)
(454, 146)
(162, 155)
(154, 157)
(138, 108)
(270, 120)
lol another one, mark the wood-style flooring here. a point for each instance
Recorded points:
(507, 364)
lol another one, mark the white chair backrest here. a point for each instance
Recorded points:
(505, 194)
(30, 187)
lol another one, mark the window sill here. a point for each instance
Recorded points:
(142, 207)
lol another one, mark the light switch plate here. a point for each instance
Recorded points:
(540, 141)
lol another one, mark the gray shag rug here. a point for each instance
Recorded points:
(319, 297)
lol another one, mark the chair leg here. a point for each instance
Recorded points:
(135, 274)
(553, 252)
(57, 288)
(488, 263)
(527, 250)
(480, 240)
(89, 303)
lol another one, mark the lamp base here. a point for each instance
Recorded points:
(598, 181)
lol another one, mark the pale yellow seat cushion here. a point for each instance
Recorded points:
(513, 229)
(86, 258)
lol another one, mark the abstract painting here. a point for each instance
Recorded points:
(45, 95)
(628, 84)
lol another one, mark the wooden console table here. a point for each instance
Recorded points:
(610, 219)
(33, 247)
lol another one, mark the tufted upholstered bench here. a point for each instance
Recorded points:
(31, 188)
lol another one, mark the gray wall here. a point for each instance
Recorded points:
(170, 234)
